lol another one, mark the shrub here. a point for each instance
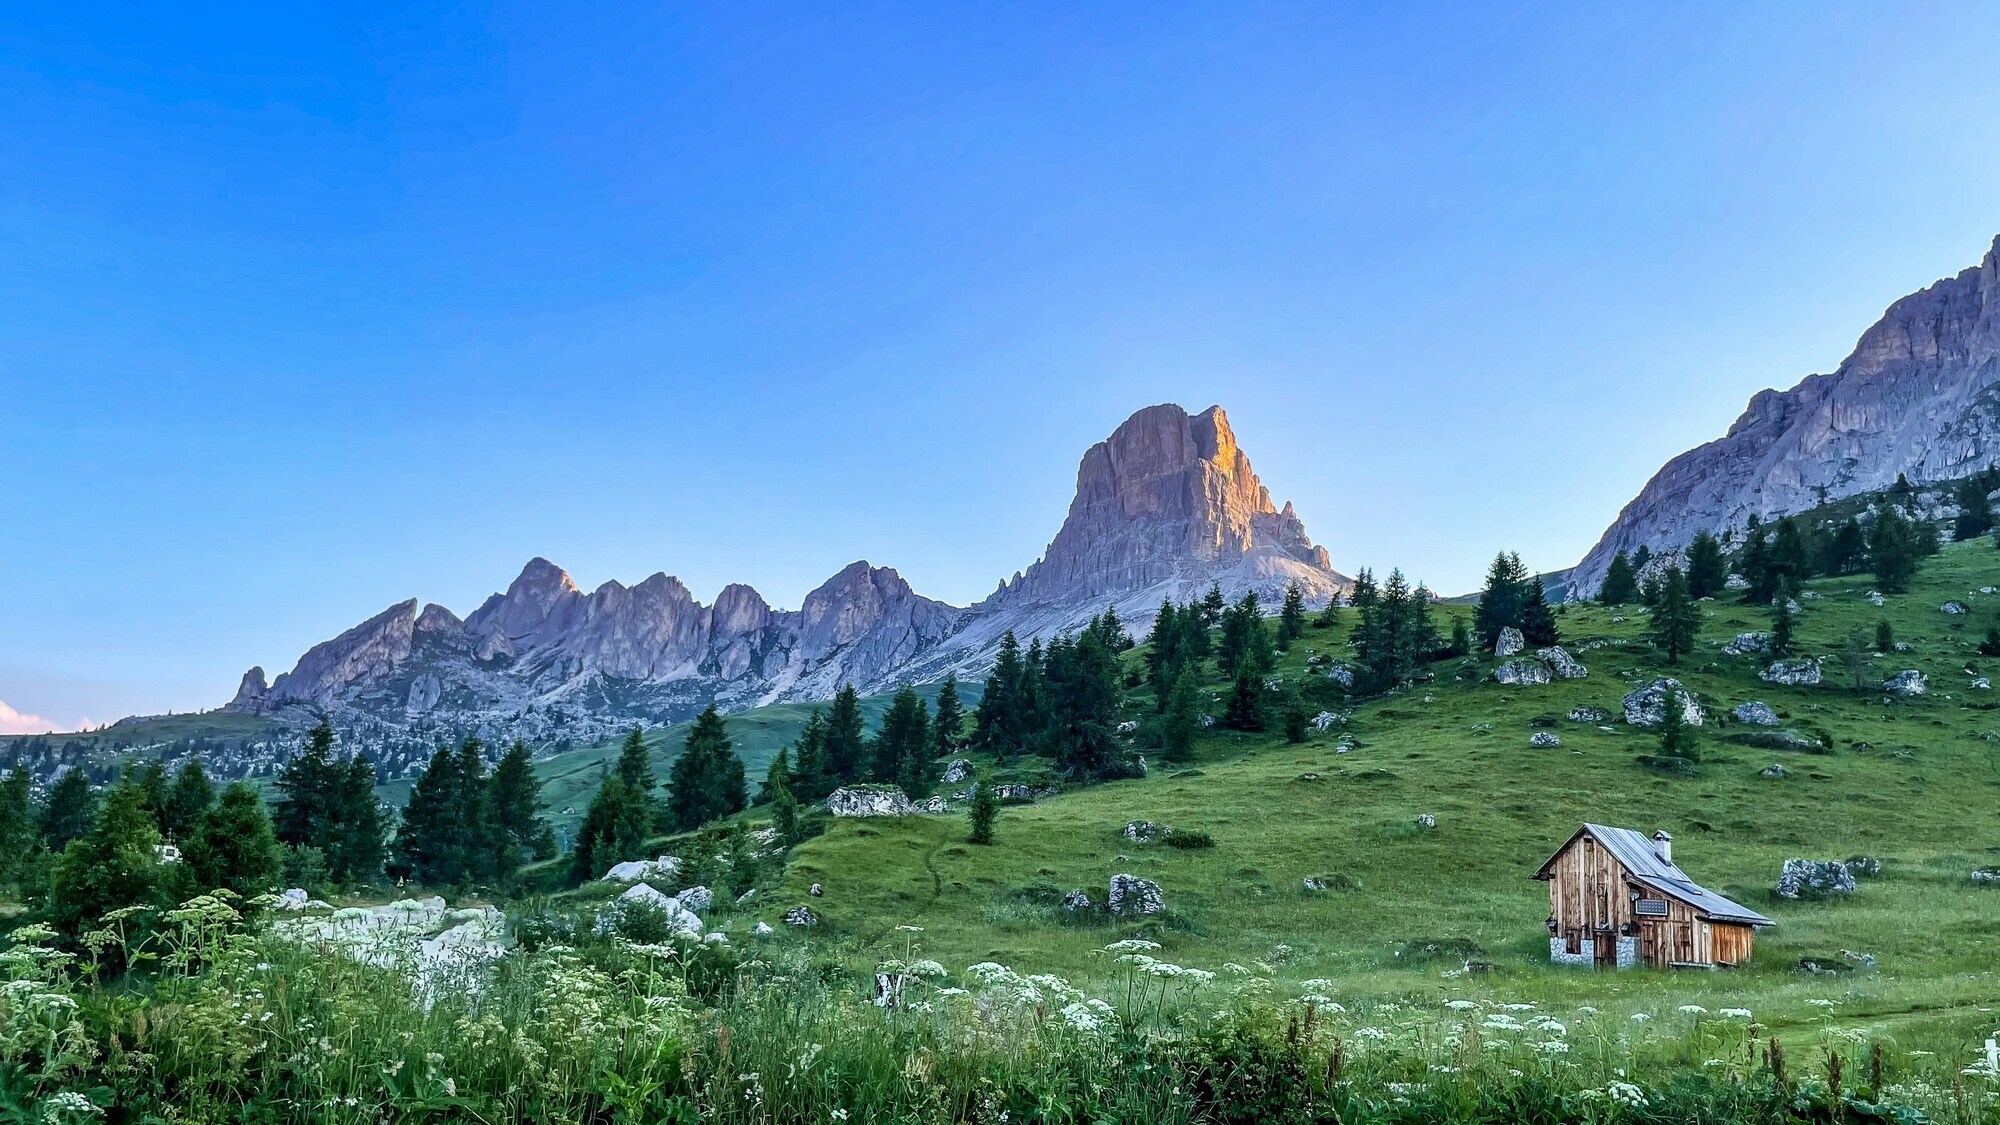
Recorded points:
(1188, 839)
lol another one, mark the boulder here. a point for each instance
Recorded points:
(1131, 896)
(1814, 879)
(1523, 673)
(1736, 582)
(1748, 643)
(1014, 794)
(1953, 608)
(933, 804)
(1986, 876)
(1981, 683)
(1755, 713)
(815, 890)
(1559, 659)
(1324, 721)
(1144, 831)
(294, 899)
(1646, 706)
(632, 871)
(1334, 882)
(1341, 674)
(1427, 820)
(1075, 901)
(957, 771)
(868, 800)
(801, 916)
(762, 929)
(697, 899)
(1588, 714)
(1907, 684)
(1510, 642)
(1774, 771)
(1544, 738)
(1875, 598)
(1792, 673)
(642, 895)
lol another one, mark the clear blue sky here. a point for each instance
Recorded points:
(303, 313)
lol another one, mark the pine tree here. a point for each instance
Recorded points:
(808, 775)
(69, 809)
(1679, 740)
(614, 830)
(115, 864)
(1892, 551)
(783, 805)
(17, 824)
(1246, 643)
(1753, 562)
(1782, 624)
(1706, 572)
(1165, 653)
(306, 785)
(1212, 605)
(1502, 600)
(1297, 727)
(1885, 637)
(635, 769)
(358, 845)
(1677, 620)
(1112, 631)
(995, 725)
(706, 782)
(1991, 645)
(186, 799)
(1291, 617)
(1182, 720)
(846, 746)
(1847, 550)
(444, 831)
(1790, 561)
(233, 847)
(1538, 621)
(1246, 703)
(985, 810)
(515, 830)
(1081, 696)
(1642, 556)
(1621, 585)
(948, 725)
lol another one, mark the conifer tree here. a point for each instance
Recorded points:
(1212, 605)
(1165, 653)
(846, 746)
(358, 845)
(1182, 720)
(1538, 621)
(1246, 643)
(1790, 561)
(1461, 637)
(807, 775)
(904, 742)
(1847, 550)
(948, 725)
(1991, 645)
(1676, 620)
(1644, 555)
(69, 809)
(1975, 512)
(1031, 702)
(635, 769)
(444, 832)
(115, 864)
(706, 782)
(1621, 585)
(151, 778)
(17, 824)
(186, 799)
(1885, 637)
(1679, 741)
(305, 787)
(1081, 707)
(985, 810)
(1112, 631)
(614, 830)
(1297, 727)
(1706, 572)
(1753, 562)
(233, 847)
(1782, 625)
(1291, 616)
(1503, 599)
(1246, 703)
(1855, 661)
(1892, 550)
(515, 830)
(995, 724)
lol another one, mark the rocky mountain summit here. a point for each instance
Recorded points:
(1917, 397)
(1164, 507)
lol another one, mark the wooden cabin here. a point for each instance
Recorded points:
(1616, 900)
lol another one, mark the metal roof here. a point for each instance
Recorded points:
(1635, 852)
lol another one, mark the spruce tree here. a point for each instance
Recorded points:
(1706, 572)
(1892, 551)
(1081, 695)
(1246, 643)
(706, 782)
(1855, 661)
(1975, 512)
(985, 810)
(1182, 720)
(358, 846)
(784, 807)
(1291, 617)
(233, 846)
(1212, 605)
(69, 809)
(151, 778)
(113, 865)
(186, 799)
(995, 726)
(808, 775)
(1753, 562)
(17, 824)
(1503, 599)
(635, 769)
(614, 830)
(1621, 585)
(1246, 703)
(1790, 560)
(1297, 727)
(1676, 620)
(846, 745)
(1847, 550)
(1642, 556)
(1679, 741)
(443, 836)
(948, 724)
(1885, 637)
(515, 829)
(1782, 624)
(1165, 653)
(1538, 621)
(903, 745)
(305, 786)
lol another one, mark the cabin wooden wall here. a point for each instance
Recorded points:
(1590, 898)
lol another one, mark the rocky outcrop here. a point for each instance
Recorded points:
(1755, 713)
(1647, 706)
(1814, 879)
(1523, 672)
(1564, 665)
(1792, 673)
(868, 801)
(1917, 396)
(1131, 896)
(1907, 683)
(1510, 642)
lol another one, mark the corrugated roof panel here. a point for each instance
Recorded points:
(1635, 851)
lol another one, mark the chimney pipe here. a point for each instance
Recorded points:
(1663, 845)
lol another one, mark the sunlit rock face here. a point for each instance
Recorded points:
(1916, 397)
(1164, 507)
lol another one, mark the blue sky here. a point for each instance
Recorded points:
(304, 312)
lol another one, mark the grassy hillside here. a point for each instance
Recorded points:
(1914, 782)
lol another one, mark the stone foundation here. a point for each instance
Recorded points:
(1559, 954)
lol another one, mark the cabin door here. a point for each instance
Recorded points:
(1606, 949)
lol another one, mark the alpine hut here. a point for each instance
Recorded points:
(1616, 900)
